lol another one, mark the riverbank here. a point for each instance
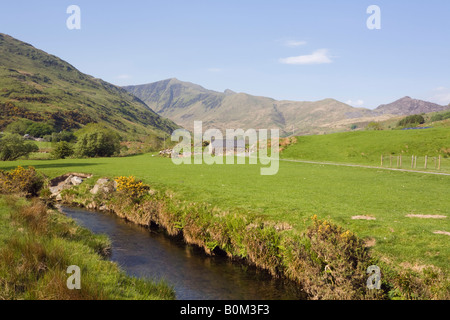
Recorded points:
(38, 244)
(327, 261)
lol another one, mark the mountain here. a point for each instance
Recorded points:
(41, 87)
(184, 102)
(407, 106)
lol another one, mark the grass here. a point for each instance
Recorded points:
(37, 246)
(366, 147)
(299, 191)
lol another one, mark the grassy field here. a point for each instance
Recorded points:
(299, 191)
(366, 147)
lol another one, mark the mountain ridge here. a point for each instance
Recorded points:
(184, 102)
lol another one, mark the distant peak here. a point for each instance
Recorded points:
(229, 92)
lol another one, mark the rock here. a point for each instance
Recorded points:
(91, 206)
(101, 185)
(58, 197)
(66, 181)
(76, 181)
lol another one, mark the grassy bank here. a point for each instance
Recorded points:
(327, 261)
(36, 247)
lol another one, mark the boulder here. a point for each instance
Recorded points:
(76, 181)
(66, 181)
(103, 185)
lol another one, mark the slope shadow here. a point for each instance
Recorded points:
(55, 165)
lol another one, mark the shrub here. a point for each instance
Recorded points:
(440, 116)
(131, 187)
(437, 117)
(67, 136)
(330, 262)
(374, 126)
(415, 119)
(20, 180)
(13, 146)
(62, 150)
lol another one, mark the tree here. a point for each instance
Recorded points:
(13, 146)
(39, 130)
(61, 136)
(98, 142)
(62, 150)
(20, 126)
(412, 120)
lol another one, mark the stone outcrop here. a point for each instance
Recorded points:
(66, 181)
(104, 185)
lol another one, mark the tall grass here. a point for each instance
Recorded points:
(43, 243)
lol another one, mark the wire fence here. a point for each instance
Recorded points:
(413, 162)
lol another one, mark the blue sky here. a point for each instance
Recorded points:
(287, 50)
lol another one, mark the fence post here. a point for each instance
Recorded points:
(381, 160)
(412, 162)
(426, 162)
(439, 167)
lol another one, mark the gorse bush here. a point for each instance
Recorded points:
(131, 187)
(330, 262)
(21, 181)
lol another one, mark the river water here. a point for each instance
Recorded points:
(143, 252)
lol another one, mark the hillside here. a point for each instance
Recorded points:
(366, 147)
(184, 102)
(41, 87)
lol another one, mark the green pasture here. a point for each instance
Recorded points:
(297, 192)
(366, 147)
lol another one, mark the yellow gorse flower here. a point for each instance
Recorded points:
(131, 187)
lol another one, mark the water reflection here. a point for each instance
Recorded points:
(194, 275)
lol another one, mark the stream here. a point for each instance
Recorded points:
(144, 252)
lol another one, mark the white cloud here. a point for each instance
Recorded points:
(294, 43)
(357, 103)
(320, 56)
